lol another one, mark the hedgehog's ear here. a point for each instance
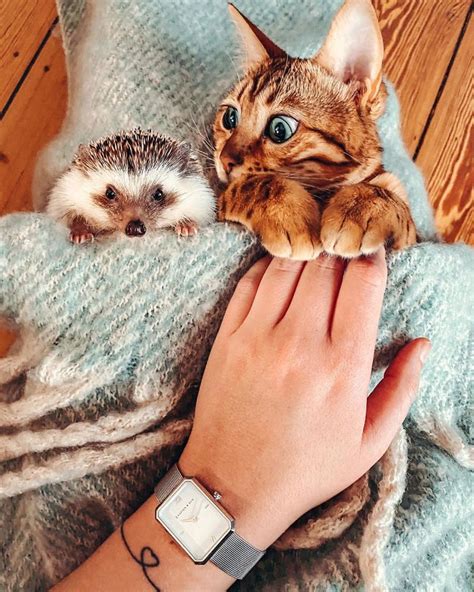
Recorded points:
(81, 149)
(80, 153)
(256, 45)
(353, 50)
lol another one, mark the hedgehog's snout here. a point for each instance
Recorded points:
(135, 228)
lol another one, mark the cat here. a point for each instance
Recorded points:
(296, 143)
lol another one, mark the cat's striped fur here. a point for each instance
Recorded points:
(324, 188)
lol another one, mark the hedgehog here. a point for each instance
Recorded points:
(132, 182)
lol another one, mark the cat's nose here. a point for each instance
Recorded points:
(230, 160)
(135, 228)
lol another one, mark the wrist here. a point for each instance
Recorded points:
(141, 556)
(258, 518)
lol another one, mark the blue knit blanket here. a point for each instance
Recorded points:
(98, 391)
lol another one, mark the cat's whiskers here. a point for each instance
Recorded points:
(308, 181)
(204, 132)
(282, 173)
(198, 130)
(351, 157)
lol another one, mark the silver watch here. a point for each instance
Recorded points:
(201, 526)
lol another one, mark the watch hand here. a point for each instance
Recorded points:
(193, 513)
(190, 518)
(196, 516)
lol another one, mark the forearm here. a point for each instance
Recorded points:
(111, 567)
(160, 563)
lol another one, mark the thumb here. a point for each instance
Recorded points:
(390, 401)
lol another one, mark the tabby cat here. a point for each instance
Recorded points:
(297, 146)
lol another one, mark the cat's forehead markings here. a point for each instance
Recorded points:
(274, 93)
(243, 87)
(258, 82)
(253, 118)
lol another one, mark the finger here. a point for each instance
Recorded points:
(243, 297)
(359, 302)
(275, 291)
(390, 401)
(313, 304)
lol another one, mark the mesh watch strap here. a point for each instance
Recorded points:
(168, 484)
(235, 556)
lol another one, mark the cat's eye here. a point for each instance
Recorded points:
(110, 193)
(280, 128)
(230, 118)
(158, 194)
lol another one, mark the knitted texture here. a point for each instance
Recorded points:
(114, 336)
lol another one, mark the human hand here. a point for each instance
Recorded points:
(282, 420)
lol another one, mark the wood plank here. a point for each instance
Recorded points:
(419, 37)
(23, 25)
(445, 156)
(33, 119)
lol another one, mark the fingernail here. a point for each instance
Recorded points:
(425, 351)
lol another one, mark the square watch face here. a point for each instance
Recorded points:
(193, 520)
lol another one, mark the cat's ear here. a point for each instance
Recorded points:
(256, 45)
(353, 50)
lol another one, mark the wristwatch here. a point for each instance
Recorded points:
(201, 526)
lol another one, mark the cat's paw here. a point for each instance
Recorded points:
(295, 240)
(359, 219)
(81, 236)
(291, 229)
(186, 228)
(349, 236)
(289, 223)
(279, 211)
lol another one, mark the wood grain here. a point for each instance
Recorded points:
(33, 119)
(419, 38)
(445, 156)
(23, 24)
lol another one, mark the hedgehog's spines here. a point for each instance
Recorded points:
(136, 150)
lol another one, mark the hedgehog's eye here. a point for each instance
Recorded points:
(110, 192)
(281, 128)
(158, 195)
(230, 119)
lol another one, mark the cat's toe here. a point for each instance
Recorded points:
(293, 244)
(350, 240)
(344, 241)
(305, 247)
(372, 239)
(277, 247)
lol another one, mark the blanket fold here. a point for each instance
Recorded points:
(113, 339)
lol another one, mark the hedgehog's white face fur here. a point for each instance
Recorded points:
(136, 176)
